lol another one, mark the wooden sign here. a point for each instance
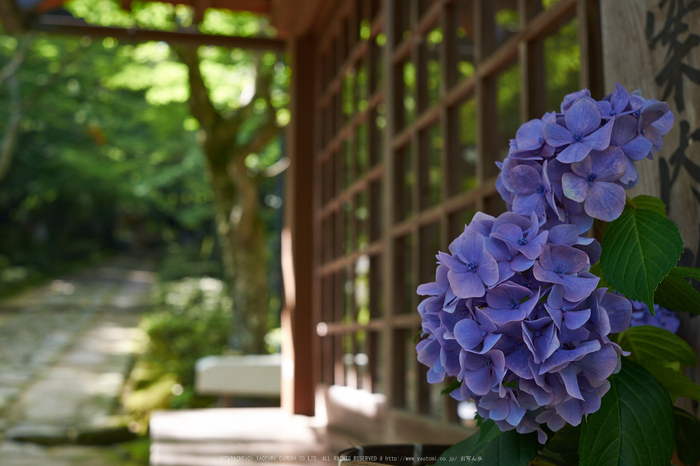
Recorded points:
(654, 46)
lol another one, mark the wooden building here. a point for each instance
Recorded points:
(399, 110)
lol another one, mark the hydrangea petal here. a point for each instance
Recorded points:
(468, 333)
(619, 311)
(652, 113)
(571, 411)
(471, 248)
(479, 381)
(574, 153)
(605, 201)
(521, 263)
(515, 413)
(578, 288)
(600, 139)
(619, 99)
(534, 202)
(523, 179)
(529, 135)
(637, 148)
(609, 164)
(630, 177)
(499, 410)
(569, 375)
(624, 130)
(488, 270)
(564, 234)
(575, 187)
(466, 285)
(518, 362)
(556, 135)
(583, 117)
(600, 364)
(575, 319)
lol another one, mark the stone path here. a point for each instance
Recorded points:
(65, 351)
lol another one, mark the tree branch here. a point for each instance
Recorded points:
(262, 137)
(9, 139)
(20, 54)
(200, 103)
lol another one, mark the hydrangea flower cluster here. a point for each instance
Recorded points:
(575, 165)
(515, 314)
(662, 318)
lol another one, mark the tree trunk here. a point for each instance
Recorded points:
(242, 237)
(240, 228)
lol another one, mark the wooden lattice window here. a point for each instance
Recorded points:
(417, 102)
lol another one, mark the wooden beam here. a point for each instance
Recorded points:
(11, 18)
(253, 6)
(55, 24)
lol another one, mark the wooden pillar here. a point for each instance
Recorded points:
(590, 38)
(299, 337)
(486, 96)
(391, 385)
(533, 100)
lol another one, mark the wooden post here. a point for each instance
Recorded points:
(298, 364)
(531, 56)
(590, 38)
(486, 95)
(392, 384)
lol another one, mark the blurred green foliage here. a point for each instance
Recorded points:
(190, 319)
(95, 167)
(108, 155)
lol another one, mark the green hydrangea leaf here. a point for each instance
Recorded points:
(634, 424)
(648, 202)
(639, 250)
(653, 344)
(561, 449)
(454, 385)
(688, 272)
(676, 294)
(687, 430)
(491, 447)
(675, 383)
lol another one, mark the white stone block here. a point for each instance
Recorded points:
(249, 375)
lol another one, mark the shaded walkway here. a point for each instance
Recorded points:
(65, 352)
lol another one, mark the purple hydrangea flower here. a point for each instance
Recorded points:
(482, 372)
(472, 269)
(581, 132)
(478, 335)
(655, 120)
(509, 302)
(529, 143)
(514, 313)
(614, 104)
(561, 265)
(529, 242)
(663, 317)
(635, 146)
(531, 192)
(592, 181)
